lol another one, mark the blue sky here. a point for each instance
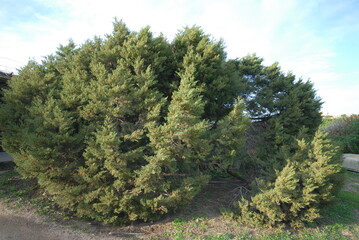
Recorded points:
(316, 40)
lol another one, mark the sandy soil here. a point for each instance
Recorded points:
(28, 226)
(22, 223)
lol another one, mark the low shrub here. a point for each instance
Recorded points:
(345, 132)
(310, 178)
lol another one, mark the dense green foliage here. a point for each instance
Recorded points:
(269, 93)
(280, 108)
(4, 77)
(309, 179)
(131, 127)
(127, 127)
(345, 132)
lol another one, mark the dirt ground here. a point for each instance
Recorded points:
(22, 223)
(25, 225)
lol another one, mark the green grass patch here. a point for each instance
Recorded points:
(6, 177)
(343, 211)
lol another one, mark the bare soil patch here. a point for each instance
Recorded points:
(25, 210)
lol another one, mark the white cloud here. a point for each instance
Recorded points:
(276, 30)
(340, 100)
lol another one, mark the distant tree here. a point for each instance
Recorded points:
(345, 132)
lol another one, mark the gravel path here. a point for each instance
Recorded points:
(351, 162)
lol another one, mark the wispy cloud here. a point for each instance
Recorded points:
(303, 36)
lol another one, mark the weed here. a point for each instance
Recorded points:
(4, 182)
(179, 235)
(178, 223)
(198, 219)
(74, 227)
(220, 237)
(11, 188)
(20, 193)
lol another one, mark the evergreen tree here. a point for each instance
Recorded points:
(269, 93)
(4, 78)
(209, 59)
(116, 129)
(279, 106)
(228, 139)
(129, 127)
(180, 150)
